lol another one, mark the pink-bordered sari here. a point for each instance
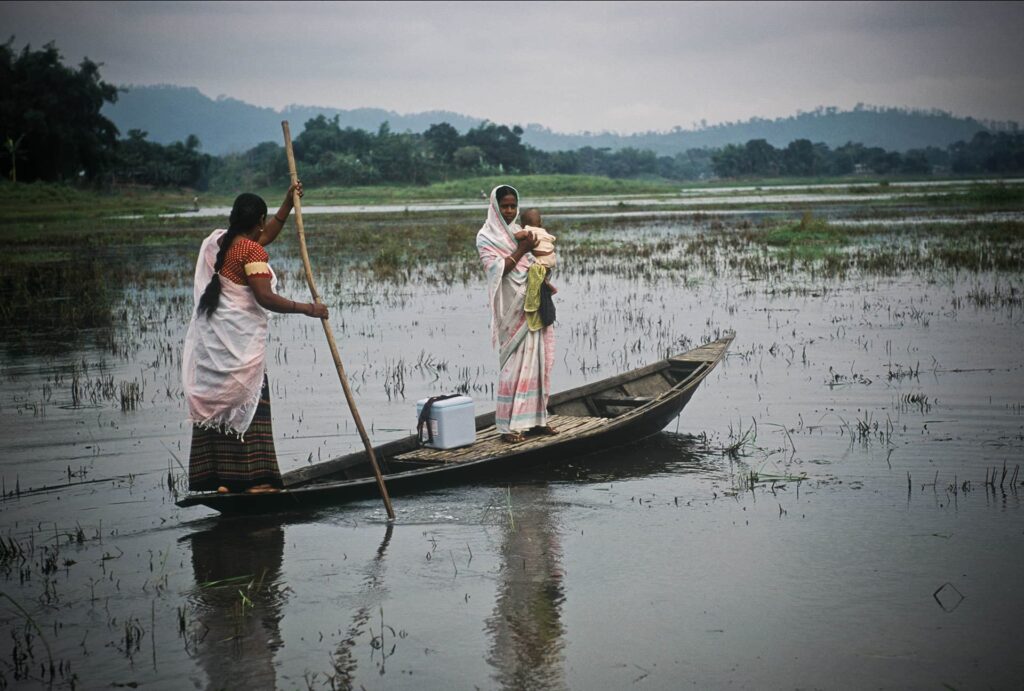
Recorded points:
(525, 357)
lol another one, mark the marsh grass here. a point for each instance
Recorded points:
(478, 188)
(808, 231)
(997, 195)
(626, 276)
(42, 202)
(124, 283)
(62, 296)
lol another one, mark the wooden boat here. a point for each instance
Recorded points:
(615, 411)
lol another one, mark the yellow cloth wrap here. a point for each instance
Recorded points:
(534, 280)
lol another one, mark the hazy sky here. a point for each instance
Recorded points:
(629, 66)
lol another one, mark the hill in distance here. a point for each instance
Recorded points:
(227, 125)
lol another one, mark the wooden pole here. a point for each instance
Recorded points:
(327, 327)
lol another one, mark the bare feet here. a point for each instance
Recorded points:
(222, 490)
(513, 438)
(547, 430)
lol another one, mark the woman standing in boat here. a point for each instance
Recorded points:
(224, 359)
(525, 357)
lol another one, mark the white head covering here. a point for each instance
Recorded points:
(495, 242)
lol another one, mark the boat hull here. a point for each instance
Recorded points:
(348, 478)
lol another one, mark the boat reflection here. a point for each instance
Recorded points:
(238, 601)
(665, 453)
(526, 629)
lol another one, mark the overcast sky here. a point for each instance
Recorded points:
(626, 67)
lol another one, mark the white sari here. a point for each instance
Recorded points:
(224, 359)
(525, 357)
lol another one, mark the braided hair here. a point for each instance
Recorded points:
(245, 213)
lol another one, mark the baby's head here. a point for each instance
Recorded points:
(530, 217)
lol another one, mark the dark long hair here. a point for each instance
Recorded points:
(245, 213)
(504, 191)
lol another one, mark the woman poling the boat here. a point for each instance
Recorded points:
(224, 358)
(525, 356)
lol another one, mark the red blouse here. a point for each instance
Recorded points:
(245, 258)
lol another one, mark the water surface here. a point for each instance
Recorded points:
(849, 540)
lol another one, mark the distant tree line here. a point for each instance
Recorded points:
(180, 164)
(331, 155)
(50, 116)
(986, 152)
(52, 129)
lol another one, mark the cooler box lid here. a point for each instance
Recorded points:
(446, 403)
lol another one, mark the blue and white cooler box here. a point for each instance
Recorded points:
(452, 422)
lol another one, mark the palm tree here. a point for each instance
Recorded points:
(12, 150)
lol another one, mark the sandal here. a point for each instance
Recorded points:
(262, 489)
(513, 438)
(547, 430)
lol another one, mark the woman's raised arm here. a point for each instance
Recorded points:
(275, 223)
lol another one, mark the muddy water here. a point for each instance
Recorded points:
(849, 540)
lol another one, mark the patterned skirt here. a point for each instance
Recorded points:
(219, 460)
(524, 383)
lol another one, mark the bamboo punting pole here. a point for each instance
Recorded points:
(327, 327)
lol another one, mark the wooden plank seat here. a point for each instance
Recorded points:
(489, 444)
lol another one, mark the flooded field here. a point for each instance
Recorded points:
(711, 199)
(839, 506)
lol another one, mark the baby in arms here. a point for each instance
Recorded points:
(545, 249)
(539, 308)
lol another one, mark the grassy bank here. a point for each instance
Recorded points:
(46, 205)
(44, 202)
(470, 189)
(56, 203)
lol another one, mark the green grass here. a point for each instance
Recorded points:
(67, 276)
(39, 255)
(42, 202)
(809, 238)
(808, 231)
(56, 204)
(998, 194)
(981, 195)
(469, 189)
(52, 203)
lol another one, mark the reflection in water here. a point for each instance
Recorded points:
(665, 453)
(238, 599)
(526, 628)
(527, 634)
(344, 660)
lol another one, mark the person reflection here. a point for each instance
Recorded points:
(526, 627)
(238, 600)
(371, 594)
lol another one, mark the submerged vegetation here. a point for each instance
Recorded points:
(877, 348)
(67, 277)
(828, 370)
